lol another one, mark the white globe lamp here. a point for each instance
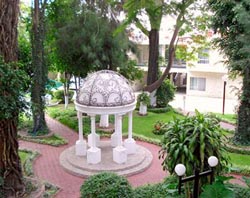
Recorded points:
(180, 169)
(213, 161)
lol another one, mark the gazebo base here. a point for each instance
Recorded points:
(77, 165)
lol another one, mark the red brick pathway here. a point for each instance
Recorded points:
(47, 167)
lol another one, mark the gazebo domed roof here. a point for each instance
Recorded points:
(105, 88)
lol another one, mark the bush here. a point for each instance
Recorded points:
(150, 191)
(160, 110)
(165, 94)
(191, 141)
(106, 185)
(59, 95)
(166, 189)
(143, 98)
(159, 128)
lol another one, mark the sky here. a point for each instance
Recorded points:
(27, 2)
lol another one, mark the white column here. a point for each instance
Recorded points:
(130, 143)
(119, 130)
(93, 137)
(94, 153)
(114, 136)
(104, 121)
(93, 130)
(119, 152)
(81, 145)
(130, 118)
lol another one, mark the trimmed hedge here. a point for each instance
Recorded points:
(106, 185)
(59, 95)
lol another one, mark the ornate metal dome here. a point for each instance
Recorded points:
(105, 88)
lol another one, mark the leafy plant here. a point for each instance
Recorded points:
(165, 93)
(159, 128)
(218, 189)
(59, 95)
(143, 98)
(106, 185)
(191, 141)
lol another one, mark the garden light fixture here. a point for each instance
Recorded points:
(180, 170)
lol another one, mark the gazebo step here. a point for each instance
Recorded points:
(77, 165)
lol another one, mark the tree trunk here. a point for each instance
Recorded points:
(40, 69)
(242, 133)
(10, 168)
(9, 11)
(156, 84)
(153, 56)
(10, 164)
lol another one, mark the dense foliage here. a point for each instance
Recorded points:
(106, 185)
(159, 128)
(143, 98)
(191, 141)
(59, 95)
(165, 93)
(231, 19)
(12, 87)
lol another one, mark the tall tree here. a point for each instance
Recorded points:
(154, 11)
(231, 19)
(10, 104)
(89, 27)
(185, 21)
(39, 66)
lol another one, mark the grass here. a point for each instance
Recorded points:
(230, 118)
(239, 159)
(53, 140)
(23, 156)
(142, 125)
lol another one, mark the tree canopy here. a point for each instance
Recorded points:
(231, 19)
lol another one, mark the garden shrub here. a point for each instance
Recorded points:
(159, 128)
(143, 98)
(161, 110)
(106, 185)
(165, 94)
(191, 141)
(149, 191)
(218, 189)
(59, 95)
(166, 189)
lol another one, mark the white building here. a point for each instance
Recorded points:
(205, 77)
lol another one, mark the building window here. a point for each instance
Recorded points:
(203, 56)
(198, 84)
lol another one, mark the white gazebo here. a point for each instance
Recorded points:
(105, 93)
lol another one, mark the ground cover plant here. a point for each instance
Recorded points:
(25, 123)
(230, 118)
(27, 157)
(106, 185)
(53, 140)
(142, 126)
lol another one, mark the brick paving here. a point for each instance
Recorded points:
(47, 167)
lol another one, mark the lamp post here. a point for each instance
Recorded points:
(224, 78)
(180, 170)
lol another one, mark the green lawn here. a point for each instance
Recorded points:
(231, 118)
(239, 159)
(23, 156)
(143, 125)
